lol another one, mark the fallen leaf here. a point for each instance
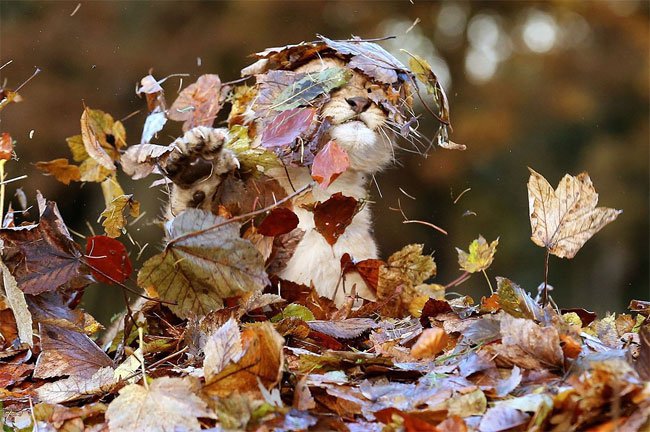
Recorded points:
(280, 220)
(507, 385)
(329, 163)
(6, 146)
(115, 220)
(344, 329)
(167, 404)
(431, 342)
(108, 259)
(333, 216)
(202, 264)
(480, 255)
(261, 363)
(68, 352)
(18, 305)
(224, 346)
(410, 423)
(42, 257)
(517, 302)
(102, 137)
(141, 159)
(564, 219)
(501, 418)
(198, 104)
(76, 387)
(61, 170)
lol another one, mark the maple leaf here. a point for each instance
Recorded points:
(199, 103)
(107, 259)
(90, 170)
(333, 216)
(61, 170)
(201, 265)
(480, 255)
(115, 220)
(167, 404)
(407, 266)
(329, 163)
(562, 220)
(102, 137)
(16, 299)
(42, 256)
(68, 352)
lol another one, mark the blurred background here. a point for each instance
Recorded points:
(559, 86)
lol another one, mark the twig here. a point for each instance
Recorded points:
(545, 289)
(429, 224)
(459, 280)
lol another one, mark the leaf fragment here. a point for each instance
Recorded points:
(562, 220)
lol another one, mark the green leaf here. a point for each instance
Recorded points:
(294, 310)
(310, 87)
(205, 261)
(254, 160)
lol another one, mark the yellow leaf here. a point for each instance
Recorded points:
(102, 137)
(18, 305)
(115, 219)
(251, 159)
(61, 170)
(480, 255)
(562, 220)
(90, 170)
(111, 190)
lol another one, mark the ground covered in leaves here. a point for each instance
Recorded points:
(218, 341)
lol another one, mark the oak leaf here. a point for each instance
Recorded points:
(205, 260)
(199, 103)
(480, 255)
(562, 220)
(167, 404)
(61, 170)
(329, 163)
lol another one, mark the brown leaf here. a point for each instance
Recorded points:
(115, 220)
(501, 418)
(199, 103)
(42, 257)
(61, 170)
(329, 163)
(76, 387)
(11, 373)
(68, 352)
(102, 137)
(166, 404)
(18, 305)
(223, 347)
(431, 342)
(89, 169)
(564, 219)
(262, 360)
(279, 221)
(333, 216)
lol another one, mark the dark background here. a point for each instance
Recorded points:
(558, 86)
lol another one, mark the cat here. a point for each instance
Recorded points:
(357, 125)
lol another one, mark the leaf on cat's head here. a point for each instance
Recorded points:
(562, 220)
(199, 103)
(279, 221)
(254, 160)
(61, 170)
(108, 260)
(102, 137)
(333, 216)
(205, 261)
(480, 256)
(287, 126)
(330, 162)
(302, 91)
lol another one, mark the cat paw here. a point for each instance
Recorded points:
(199, 154)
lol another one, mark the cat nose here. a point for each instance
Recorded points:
(358, 103)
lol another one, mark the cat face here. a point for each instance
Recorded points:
(357, 122)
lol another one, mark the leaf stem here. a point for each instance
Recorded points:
(459, 280)
(545, 289)
(144, 372)
(488, 281)
(2, 191)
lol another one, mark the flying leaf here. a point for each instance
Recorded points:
(18, 305)
(141, 159)
(115, 220)
(42, 257)
(102, 137)
(198, 104)
(480, 255)
(108, 260)
(329, 163)
(302, 91)
(153, 124)
(407, 266)
(167, 404)
(61, 170)
(202, 264)
(287, 126)
(261, 363)
(6, 146)
(279, 221)
(222, 347)
(90, 170)
(68, 352)
(333, 216)
(564, 219)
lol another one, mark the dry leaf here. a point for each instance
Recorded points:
(333, 216)
(329, 163)
(501, 418)
(18, 305)
(6, 146)
(90, 170)
(115, 220)
(168, 404)
(222, 347)
(344, 329)
(201, 265)
(287, 126)
(480, 255)
(302, 89)
(199, 103)
(61, 170)
(75, 387)
(102, 137)
(279, 221)
(431, 342)
(562, 220)
(108, 259)
(254, 160)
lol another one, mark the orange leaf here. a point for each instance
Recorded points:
(61, 170)
(430, 343)
(329, 163)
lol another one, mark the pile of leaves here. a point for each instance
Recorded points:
(216, 340)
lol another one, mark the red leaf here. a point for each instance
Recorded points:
(368, 269)
(411, 423)
(107, 259)
(279, 221)
(6, 146)
(287, 126)
(333, 216)
(329, 163)
(199, 103)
